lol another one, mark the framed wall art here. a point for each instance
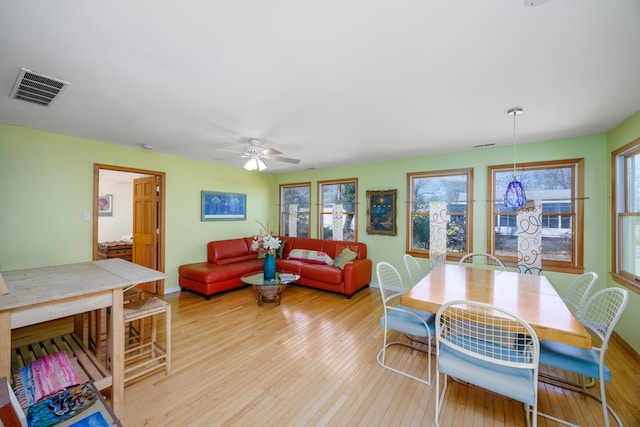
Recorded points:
(218, 206)
(105, 205)
(381, 212)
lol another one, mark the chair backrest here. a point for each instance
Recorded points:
(485, 331)
(390, 282)
(602, 311)
(414, 269)
(480, 259)
(578, 291)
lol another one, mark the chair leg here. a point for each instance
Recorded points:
(381, 358)
(167, 340)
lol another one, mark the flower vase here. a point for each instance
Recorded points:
(269, 267)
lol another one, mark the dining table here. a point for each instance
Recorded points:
(531, 297)
(41, 294)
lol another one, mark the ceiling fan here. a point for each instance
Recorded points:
(257, 155)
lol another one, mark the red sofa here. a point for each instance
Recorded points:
(228, 260)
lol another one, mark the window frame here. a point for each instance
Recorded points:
(619, 209)
(426, 253)
(284, 213)
(576, 265)
(320, 186)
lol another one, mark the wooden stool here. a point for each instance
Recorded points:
(98, 327)
(145, 354)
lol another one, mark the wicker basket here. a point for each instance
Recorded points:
(269, 293)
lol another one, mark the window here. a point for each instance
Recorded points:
(626, 215)
(337, 216)
(559, 186)
(294, 209)
(454, 188)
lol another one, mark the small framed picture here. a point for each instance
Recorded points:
(105, 205)
(381, 212)
(217, 206)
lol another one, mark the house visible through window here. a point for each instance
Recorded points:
(337, 214)
(626, 215)
(295, 200)
(450, 188)
(558, 185)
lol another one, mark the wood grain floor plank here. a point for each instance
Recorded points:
(311, 362)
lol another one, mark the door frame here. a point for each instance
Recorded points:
(161, 178)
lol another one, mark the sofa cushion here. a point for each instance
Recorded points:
(312, 257)
(310, 244)
(202, 272)
(322, 273)
(228, 251)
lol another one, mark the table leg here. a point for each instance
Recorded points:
(5, 344)
(117, 351)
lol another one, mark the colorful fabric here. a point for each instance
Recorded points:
(47, 375)
(61, 406)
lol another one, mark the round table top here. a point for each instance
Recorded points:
(257, 278)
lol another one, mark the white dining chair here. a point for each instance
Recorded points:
(578, 292)
(483, 357)
(413, 268)
(409, 322)
(481, 260)
(600, 315)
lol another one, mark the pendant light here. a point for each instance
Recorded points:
(515, 195)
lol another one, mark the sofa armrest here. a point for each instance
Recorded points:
(357, 275)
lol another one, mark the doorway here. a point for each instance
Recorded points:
(147, 216)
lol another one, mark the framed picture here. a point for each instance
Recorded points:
(381, 212)
(218, 206)
(105, 205)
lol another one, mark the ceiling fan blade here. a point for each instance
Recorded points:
(270, 151)
(230, 151)
(284, 159)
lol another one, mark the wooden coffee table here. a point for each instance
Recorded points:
(269, 290)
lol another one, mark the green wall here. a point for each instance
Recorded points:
(46, 183)
(627, 327)
(393, 175)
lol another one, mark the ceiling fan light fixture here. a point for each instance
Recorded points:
(255, 163)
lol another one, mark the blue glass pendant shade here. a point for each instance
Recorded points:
(269, 267)
(515, 196)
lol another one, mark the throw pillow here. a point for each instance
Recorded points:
(345, 256)
(340, 247)
(280, 250)
(312, 257)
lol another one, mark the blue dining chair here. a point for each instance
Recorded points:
(599, 315)
(474, 345)
(408, 321)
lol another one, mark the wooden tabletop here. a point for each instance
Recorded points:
(531, 297)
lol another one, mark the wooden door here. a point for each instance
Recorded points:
(145, 226)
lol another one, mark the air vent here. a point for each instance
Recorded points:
(37, 88)
(487, 145)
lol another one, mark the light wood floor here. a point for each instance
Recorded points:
(311, 362)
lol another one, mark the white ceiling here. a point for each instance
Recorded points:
(330, 82)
